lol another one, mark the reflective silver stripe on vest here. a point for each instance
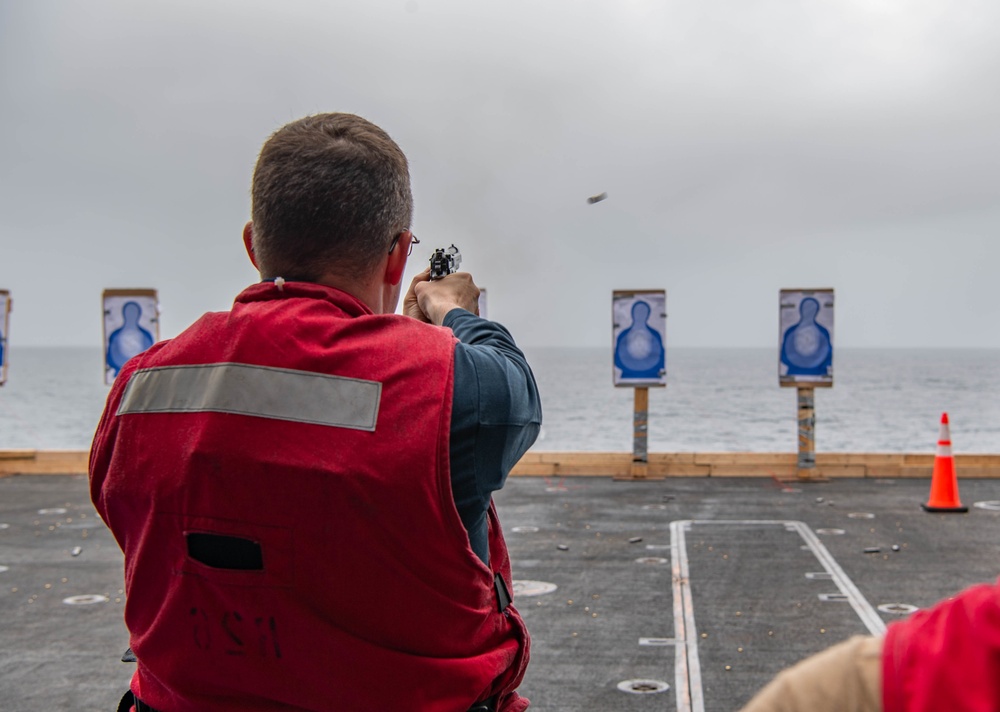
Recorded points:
(261, 391)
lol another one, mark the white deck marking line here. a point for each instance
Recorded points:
(687, 667)
(682, 693)
(873, 622)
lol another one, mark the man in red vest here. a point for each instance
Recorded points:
(301, 486)
(945, 658)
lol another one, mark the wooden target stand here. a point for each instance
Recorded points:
(800, 309)
(646, 312)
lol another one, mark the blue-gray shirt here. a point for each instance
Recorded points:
(496, 415)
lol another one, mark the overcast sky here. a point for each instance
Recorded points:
(745, 146)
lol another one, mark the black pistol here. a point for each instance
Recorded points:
(444, 262)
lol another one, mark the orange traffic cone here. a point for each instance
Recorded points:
(944, 483)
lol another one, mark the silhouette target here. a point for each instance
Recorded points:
(130, 326)
(128, 340)
(639, 352)
(807, 344)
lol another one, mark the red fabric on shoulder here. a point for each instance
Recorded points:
(946, 657)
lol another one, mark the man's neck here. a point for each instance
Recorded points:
(376, 296)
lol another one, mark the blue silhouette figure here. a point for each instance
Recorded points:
(639, 350)
(129, 339)
(806, 348)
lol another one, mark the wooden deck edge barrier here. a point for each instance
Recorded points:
(782, 466)
(43, 462)
(619, 464)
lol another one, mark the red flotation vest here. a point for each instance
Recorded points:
(946, 657)
(277, 477)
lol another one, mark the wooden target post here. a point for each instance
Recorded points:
(640, 429)
(806, 469)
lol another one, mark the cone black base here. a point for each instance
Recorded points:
(956, 510)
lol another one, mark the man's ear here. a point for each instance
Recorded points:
(248, 243)
(396, 263)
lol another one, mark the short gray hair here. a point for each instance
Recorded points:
(329, 194)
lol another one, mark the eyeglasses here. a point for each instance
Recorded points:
(413, 241)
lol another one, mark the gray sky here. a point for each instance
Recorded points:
(746, 146)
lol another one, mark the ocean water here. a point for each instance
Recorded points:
(729, 400)
(716, 400)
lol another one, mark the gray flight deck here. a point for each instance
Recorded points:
(689, 593)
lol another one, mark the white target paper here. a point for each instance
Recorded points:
(639, 338)
(131, 325)
(805, 343)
